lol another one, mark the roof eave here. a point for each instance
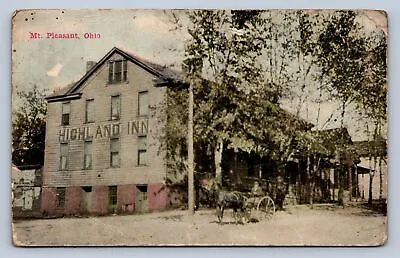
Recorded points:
(64, 97)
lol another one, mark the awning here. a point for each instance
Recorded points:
(364, 167)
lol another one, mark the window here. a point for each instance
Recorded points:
(115, 107)
(143, 103)
(66, 109)
(87, 189)
(87, 159)
(117, 71)
(114, 153)
(60, 197)
(63, 156)
(112, 195)
(89, 111)
(142, 192)
(142, 150)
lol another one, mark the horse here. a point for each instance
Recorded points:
(233, 200)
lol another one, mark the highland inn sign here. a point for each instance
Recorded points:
(99, 131)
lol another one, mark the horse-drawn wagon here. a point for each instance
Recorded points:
(247, 207)
(250, 200)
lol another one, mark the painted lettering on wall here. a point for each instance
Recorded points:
(109, 130)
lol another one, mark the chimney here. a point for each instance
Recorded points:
(89, 65)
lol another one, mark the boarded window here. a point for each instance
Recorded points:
(112, 195)
(89, 114)
(115, 107)
(63, 156)
(66, 109)
(114, 152)
(142, 191)
(88, 155)
(117, 71)
(60, 197)
(142, 150)
(143, 106)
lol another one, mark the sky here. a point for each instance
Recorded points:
(54, 63)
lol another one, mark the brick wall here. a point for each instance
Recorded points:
(126, 198)
(73, 200)
(157, 197)
(99, 200)
(48, 201)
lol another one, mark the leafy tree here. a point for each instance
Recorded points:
(28, 128)
(242, 91)
(223, 48)
(355, 65)
(342, 52)
(245, 63)
(372, 101)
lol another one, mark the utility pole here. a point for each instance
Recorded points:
(190, 152)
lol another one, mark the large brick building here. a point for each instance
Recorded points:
(102, 140)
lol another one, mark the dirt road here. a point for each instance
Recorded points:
(298, 226)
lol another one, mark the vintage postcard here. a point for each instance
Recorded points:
(199, 127)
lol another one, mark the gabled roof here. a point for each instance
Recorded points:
(61, 91)
(369, 148)
(164, 74)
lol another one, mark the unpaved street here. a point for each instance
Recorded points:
(326, 225)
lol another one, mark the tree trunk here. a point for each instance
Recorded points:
(218, 162)
(191, 193)
(280, 186)
(333, 186)
(363, 188)
(371, 178)
(370, 189)
(309, 183)
(356, 183)
(350, 182)
(298, 184)
(380, 179)
(341, 183)
(342, 170)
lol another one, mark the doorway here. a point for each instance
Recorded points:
(87, 199)
(141, 202)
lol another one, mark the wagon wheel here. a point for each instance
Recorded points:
(265, 208)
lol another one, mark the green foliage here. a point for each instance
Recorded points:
(241, 63)
(372, 98)
(224, 47)
(29, 127)
(356, 65)
(342, 55)
(238, 100)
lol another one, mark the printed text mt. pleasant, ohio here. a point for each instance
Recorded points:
(58, 35)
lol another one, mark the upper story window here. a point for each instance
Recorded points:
(89, 111)
(117, 71)
(66, 109)
(142, 150)
(143, 103)
(63, 156)
(87, 158)
(115, 107)
(114, 153)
